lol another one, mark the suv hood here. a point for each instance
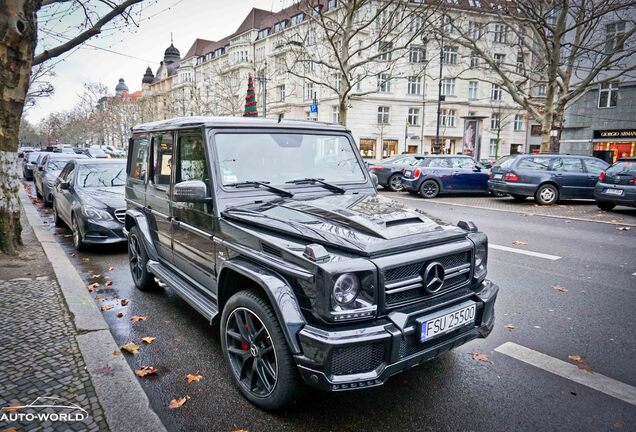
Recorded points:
(365, 224)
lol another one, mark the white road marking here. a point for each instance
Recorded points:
(569, 371)
(524, 252)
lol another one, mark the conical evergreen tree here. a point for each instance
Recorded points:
(250, 99)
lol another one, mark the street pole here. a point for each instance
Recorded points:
(406, 132)
(265, 89)
(439, 94)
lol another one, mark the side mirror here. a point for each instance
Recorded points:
(374, 179)
(41, 168)
(65, 185)
(192, 191)
(477, 168)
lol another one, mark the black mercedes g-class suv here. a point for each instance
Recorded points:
(275, 229)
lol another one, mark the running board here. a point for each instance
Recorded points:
(191, 295)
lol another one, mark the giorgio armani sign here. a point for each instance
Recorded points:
(615, 133)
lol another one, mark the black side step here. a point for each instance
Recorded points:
(204, 305)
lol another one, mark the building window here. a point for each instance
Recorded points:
(493, 148)
(309, 91)
(279, 26)
(518, 123)
(449, 55)
(417, 54)
(385, 49)
(474, 61)
(615, 32)
(447, 118)
(383, 115)
(332, 4)
(500, 33)
(474, 3)
(472, 90)
(541, 90)
(263, 33)
(608, 95)
(297, 19)
(384, 83)
(474, 30)
(415, 24)
(520, 64)
(500, 59)
(311, 36)
(414, 85)
(495, 121)
(281, 93)
(448, 87)
(447, 24)
(337, 81)
(495, 92)
(413, 119)
(359, 83)
(335, 114)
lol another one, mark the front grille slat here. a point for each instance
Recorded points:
(120, 215)
(403, 284)
(356, 359)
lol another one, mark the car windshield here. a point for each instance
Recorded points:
(101, 175)
(504, 162)
(282, 157)
(33, 156)
(56, 164)
(622, 167)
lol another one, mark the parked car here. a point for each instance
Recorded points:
(389, 171)
(437, 174)
(48, 169)
(30, 164)
(113, 151)
(617, 185)
(23, 151)
(312, 276)
(96, 153)
(546, 177)
(88, 197)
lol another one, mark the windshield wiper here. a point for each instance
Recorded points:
(265, 184)
(321, 182)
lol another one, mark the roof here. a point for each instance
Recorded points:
(237, 122)
(87, 160)
(65, 155)
(198, 48)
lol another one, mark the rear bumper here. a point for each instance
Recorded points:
(411, 185)
(512, 188)
(627, 199)
(368, 357)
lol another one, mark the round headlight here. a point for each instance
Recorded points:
(480, 254)
(346, 288)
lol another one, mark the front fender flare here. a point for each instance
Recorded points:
(138, 218)
(279, 293)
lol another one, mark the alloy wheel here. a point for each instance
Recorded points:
(429, 189)
(135, 258)
(547, 195)
(76, 233)
(395, 183)
(251, 352)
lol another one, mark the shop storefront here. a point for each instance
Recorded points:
(367, 148)
(389, 148)
(611, 145)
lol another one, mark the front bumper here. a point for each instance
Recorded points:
(102, 232)
(369, 356)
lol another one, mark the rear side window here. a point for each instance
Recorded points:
(465, 163)
(624, 167)
(572, 165)
(139, 160)
(439, 163)
(595, 166)
(534, 163)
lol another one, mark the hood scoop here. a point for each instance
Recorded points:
(405, 221)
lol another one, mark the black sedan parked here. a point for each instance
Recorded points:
(389, 171)
(30, 163)
(617, 185)
(546, 177)
(48, 169)
(89, 198)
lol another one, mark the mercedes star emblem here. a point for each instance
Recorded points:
(433, 277)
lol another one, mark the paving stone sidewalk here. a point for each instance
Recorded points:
(39, 355)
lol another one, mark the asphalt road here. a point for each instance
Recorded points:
(594, 318)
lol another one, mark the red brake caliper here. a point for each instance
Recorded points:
(244, 345)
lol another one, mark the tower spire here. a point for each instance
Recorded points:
(171, 42)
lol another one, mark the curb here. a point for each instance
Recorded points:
(125, 403)
(448, 203)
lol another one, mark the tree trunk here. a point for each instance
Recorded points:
(342, 111)
(17, 44)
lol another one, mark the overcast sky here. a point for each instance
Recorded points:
(145, 44)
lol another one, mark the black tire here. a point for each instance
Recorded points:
(518, 198)
(546, 194)
(497, 194)
(37, 192)
(429, 189)
(606, 206)
(47, 202)
(394, 183)
(138, 259)
(78, 241)
(56, 217)
(262, 366)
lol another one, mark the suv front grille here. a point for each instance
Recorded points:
(120, 215)
(404, 284)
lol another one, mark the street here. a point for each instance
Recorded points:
(568, 288)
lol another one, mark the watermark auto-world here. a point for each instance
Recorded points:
(44, 409)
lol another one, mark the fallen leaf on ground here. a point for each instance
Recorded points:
(146, 370)
(11, 408)
(120, 314)
(584, 367)
(86, 259)
(124, 302)
(110, 269)
(105, 370)
(519, 243)
(139, 318)
(193, 378)
(560, 288)
(510, 327)
(99, 298)
(575, 357)
(623, 228)
(106, 307)
(148, 339)
(96, 276)
(245, 430)
(481, 357)
(130, 347)
(178, 402)
(116, 352)
(108, 283)
(92, 287)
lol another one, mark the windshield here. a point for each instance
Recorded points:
(281, 157)
(101, 175)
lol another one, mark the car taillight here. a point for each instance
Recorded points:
(375, 167)
(634, 181)
(417, 172)
(601, 176)
(511, 177)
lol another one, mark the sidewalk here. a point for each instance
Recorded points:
(57, 349)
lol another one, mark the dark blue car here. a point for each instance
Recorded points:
(445, 174)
